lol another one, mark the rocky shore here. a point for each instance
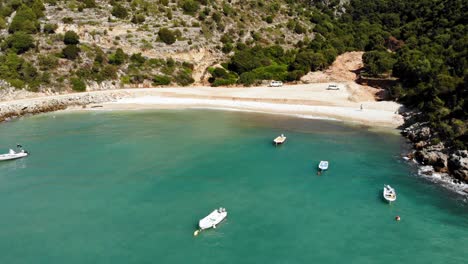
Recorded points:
(436, 157)
(17, 108)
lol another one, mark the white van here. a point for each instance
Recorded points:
(333, 87)
(276, 83)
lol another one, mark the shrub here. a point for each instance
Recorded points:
(167, 36)
(78, 85)
(50, 28)
(67, 20)
(247, 78)
(71, 38)
(119, 11)
(47, 62)
(118, 58)
(223, 82)
(184, 78)
(216, 17)
(300, 29)
(3, 23)
(161, 80)
(20, 42)
(190, 6)
(109, 72)
(71, 52)
(228, 47)
(89, 3)
(220, 73)
(138, 19)
(137, 59)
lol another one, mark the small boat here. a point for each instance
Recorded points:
(214, 218)
(11, 155)
(389, 193)
(279, 139)
(323, 165)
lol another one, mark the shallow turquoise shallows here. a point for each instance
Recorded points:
(130, 187)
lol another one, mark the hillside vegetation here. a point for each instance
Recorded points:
(51, 44)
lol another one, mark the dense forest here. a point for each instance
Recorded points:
(423, 43)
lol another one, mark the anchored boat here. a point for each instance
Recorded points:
(323, 165)
(389, 193)
(211, 220)
(11, 155)
(214, 218)
(279, 139)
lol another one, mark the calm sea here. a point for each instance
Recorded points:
(130, 187)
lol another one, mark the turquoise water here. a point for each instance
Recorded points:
(130, 187)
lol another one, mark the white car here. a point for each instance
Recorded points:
(333, 87)
(276, 83)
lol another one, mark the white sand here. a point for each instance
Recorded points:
(311, 100)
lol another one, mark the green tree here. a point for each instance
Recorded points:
(378, 62)
(20, 42)
(38, 8)
(24, 20)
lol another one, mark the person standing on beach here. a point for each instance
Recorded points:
(361, 107)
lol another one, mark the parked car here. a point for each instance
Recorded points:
(276, 83)
(333, 87)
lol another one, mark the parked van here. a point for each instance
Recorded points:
(276, 83)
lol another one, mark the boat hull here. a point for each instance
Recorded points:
(213, 219)
(389, 194)
(279, 140)
(323, 165)
(5, 157)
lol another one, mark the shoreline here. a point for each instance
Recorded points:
(309, 101)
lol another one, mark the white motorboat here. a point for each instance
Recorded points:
(11, 155)
(389, 193)
(279, 139)
(323, 165)
(214, 218)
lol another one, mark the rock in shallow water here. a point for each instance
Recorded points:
(433, 158)
(458, 164)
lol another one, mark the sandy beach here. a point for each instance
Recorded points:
(305, 100)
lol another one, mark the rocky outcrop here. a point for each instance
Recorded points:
(436, 159)
(441, 158)
(46, 104)
(458, 164)
(417, 132)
